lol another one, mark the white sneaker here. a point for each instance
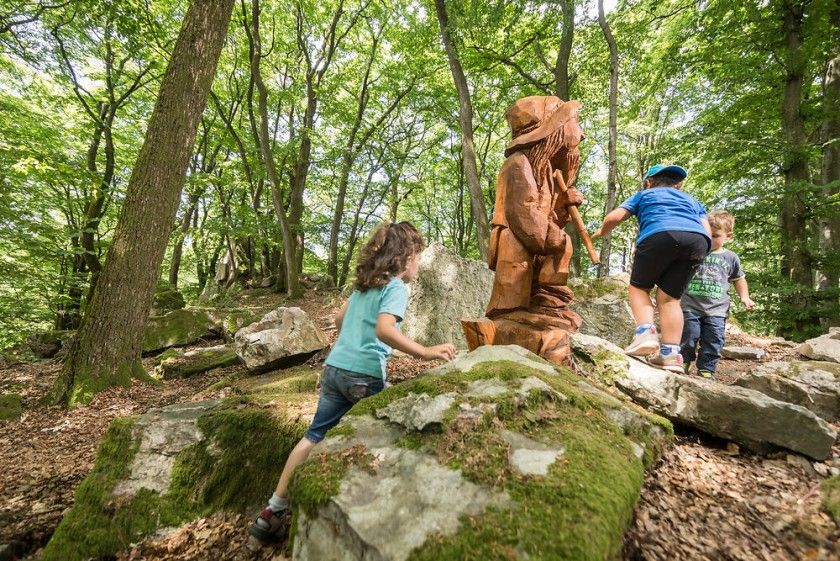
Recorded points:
(644, 343)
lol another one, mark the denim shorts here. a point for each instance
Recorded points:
(340, 390)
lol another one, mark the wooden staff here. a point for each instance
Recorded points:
(578, 221)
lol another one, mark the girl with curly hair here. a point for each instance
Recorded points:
(368, 327)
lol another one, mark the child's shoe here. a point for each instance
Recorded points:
(708, 374)
(269, 526)
(671, 362)
(644, 343)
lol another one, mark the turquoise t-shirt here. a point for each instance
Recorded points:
(666, 209)
(357, 348)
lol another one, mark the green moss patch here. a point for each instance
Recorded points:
(318, 480)
(196, 363)
(11, 406)
(177, 328)
(233, 468)
(830, 492)
(291, 385)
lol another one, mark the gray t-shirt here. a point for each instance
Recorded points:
(708, 290)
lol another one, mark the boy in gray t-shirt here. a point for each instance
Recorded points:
(705, 303)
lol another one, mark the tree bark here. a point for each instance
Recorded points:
(108, 346)
(267, 156)
(830, 225)
(604, 267)
(564, 53)
(796, 264)
(465, 117)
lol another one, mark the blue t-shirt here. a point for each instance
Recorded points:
(357, 348)
(666, 209)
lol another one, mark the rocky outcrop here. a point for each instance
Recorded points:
(48, 344)
(491, 452)
(447, 289)
(282, 337)
(602, 305)
(814, 385)
(196, 361)
(740, 414)
(226, 322)
(825, 347)
(176, 329)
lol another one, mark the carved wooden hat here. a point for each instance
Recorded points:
(535, 117)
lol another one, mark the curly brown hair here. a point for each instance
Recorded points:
(386, 254)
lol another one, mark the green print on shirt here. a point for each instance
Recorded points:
(705, 288)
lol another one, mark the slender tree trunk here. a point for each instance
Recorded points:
(178, 246)
(107, 348)
(564, 53)
(796, 263)
(830, 226)
(465, 116)
(265, 151)
(604, 267)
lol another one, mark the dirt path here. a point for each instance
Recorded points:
(706, 499)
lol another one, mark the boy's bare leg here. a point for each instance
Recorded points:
(297, 456)
(670, 318)
(640, 305)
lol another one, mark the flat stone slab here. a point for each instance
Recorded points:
(825, 347)
(743, 353)
(740, 414)
(465, 362)
(812, 384)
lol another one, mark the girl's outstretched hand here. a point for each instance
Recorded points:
(444, 351)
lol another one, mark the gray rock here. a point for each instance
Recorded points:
(365, 522)
(176, 329)
(282, 336)
(602, 305)
(416, 412)
(465, 362)
(742, 353)
(740, 414)
(164, 433)
(825, 347)
(196, 361)
(528, 456)
(447, 289)
(814, 385)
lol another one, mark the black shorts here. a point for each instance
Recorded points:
(668, 260)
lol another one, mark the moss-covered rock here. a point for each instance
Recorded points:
(170, 466)
(603, 307)
(176, 329)
(196, 362)
(228, 322)
(167, 299)
(830, 492)
(466, 486)
(11, 406)
(48, 344)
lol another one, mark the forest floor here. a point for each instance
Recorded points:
(706, 499)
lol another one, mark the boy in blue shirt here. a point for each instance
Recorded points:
(705, 303)
(674, 238)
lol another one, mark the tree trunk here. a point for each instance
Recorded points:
(561, 68)
(796, 265)
(107, 348)
(265, 151)
(178, 246)
(465, 117)
(604, 267)
(830, 225)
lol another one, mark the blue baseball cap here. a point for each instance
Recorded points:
(659, 168)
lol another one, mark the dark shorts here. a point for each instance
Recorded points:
(668, 260)
(340, 390)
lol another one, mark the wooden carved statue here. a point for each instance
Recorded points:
(529, 249)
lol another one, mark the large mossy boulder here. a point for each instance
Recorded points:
(496, 456)
(176, 329)
(167, 299)
(603, 307)
(196, 361)
(227, 322)
(448, 288)
(749, 417)
(169, 466)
